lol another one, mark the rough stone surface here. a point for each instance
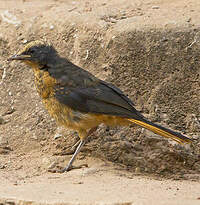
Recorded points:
(149, 49)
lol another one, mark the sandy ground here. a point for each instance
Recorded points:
(27, 144)
(102, 183)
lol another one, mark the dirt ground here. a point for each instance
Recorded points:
(102, 183)
(150, 49)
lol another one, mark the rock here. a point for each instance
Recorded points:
(47, 162)
(25, 41)
(89, 171)
(2, 166)
(10, 202)
(9, 111)
(112, 20)
(2, 121)
(10, 18)
(123, 17)
(144, 59)
(5, 150)
(3, 140)
(155, 7)
(72, 9)
(57, 135)
(51, 27)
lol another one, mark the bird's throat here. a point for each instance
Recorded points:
(44, 83)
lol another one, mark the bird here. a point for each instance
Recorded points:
(78, 100)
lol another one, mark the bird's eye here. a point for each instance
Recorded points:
(31, 51)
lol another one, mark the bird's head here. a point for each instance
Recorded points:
(36, 54)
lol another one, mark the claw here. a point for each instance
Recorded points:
(67, 169)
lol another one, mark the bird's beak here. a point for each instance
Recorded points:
(19, 57)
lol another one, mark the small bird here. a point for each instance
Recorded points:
(78, 100)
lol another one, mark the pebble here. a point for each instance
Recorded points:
(10, 201)
(155, 7)
(2, 166)
(47, 162)
(72, 9)
(89, 171)
(51, 27)
(10, 18)
(2, 121)
(56, 136)
(34, 137)
(10, 111)
(112, 20)
(123, 17)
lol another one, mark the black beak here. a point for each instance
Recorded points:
(19, 57)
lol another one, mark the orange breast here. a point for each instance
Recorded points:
(63, 114)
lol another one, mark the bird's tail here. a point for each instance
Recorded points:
(162, 131)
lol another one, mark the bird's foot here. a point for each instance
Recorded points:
(66, 169)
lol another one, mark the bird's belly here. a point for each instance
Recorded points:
(69, 118)
(76, 120)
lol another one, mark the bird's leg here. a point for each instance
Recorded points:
(83, 136)
(88, 134)
(69, 166)
(91, 131)
(78, 142)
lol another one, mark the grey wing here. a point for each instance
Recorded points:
(102, 98)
